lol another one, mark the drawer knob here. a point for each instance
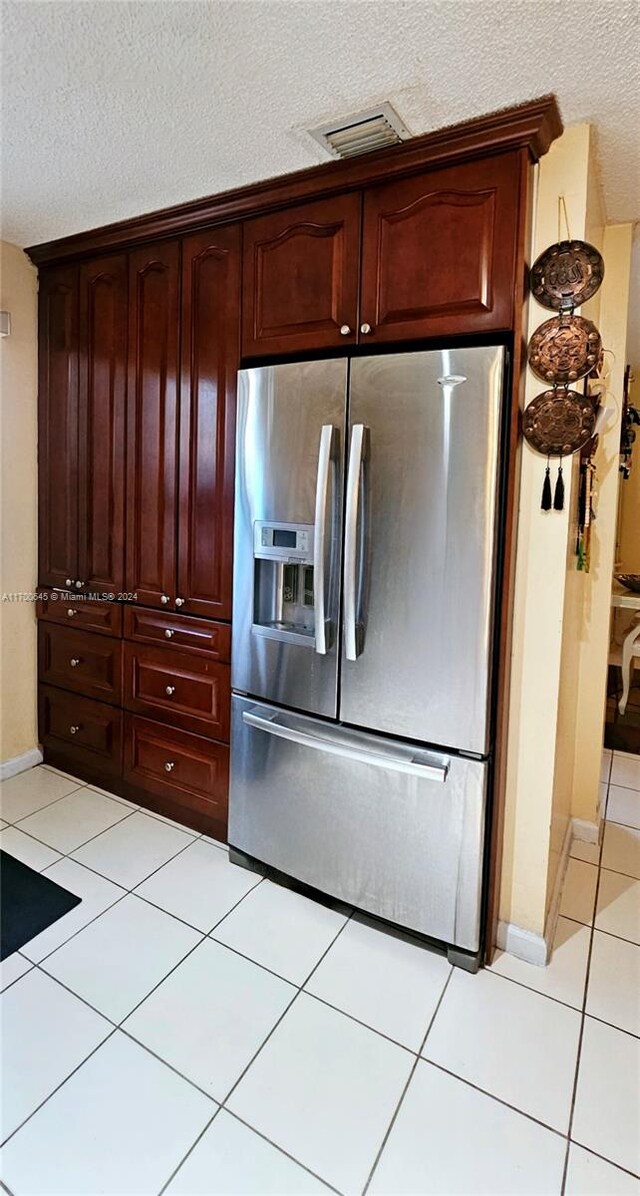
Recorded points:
(179, 601)
(169, 766)
(345, 330)
(69, 582)
(170, 690)
(71, 613)
(168, 633)
(79, 585)
(75, 661)
(366, 328)
(74, 730)
(164, 598)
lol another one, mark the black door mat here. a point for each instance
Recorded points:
(29, 903)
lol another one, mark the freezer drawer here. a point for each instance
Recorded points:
(381, 824)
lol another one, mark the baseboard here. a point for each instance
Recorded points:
(10, 768)
(527, 944)
(586, 832)
(524, 944)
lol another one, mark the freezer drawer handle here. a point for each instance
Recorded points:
(335, 747)
(323, 631)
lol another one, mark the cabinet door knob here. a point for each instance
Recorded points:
(69, 582)
(345, 330)
(170, 690)
(74, 730)
(164, 598)
(179, 601)
(169, 766)
(79, 585)
(168, 633)
(74, 662)
(366, 328)
(71, 613)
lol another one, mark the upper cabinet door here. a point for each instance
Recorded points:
(103, 343)
(154, 286)
(211, 268)
(300, 277)
(439, 252)
(58, 426)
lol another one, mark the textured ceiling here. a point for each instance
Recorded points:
(110, 109)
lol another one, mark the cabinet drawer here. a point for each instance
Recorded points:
(187, 769)
(181, 631)
(88, 613)
(184, 690)
(79, 660)
(86, 732)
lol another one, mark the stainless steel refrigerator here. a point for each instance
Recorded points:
(366, 520)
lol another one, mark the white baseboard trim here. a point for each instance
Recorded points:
(10, 768)
(586, 832)
(527, 944)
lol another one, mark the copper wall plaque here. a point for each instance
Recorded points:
(566, 274)
(558, 422)
(564, 349)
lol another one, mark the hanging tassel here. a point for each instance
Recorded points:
(545, 504)
(558, 498)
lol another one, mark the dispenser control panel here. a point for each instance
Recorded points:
(290, 542)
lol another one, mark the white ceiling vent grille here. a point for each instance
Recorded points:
(362, 132)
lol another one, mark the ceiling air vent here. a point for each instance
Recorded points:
(362, 132)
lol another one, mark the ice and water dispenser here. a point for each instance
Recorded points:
(283, 590)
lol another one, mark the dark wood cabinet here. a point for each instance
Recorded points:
(101, 424)
(58, 426)
(91, 614)
(439, 251)
(152, 423)
(81, 661)
(210, 352)
(300, 277)
(180, 631)
(180, 688)
(79, 734)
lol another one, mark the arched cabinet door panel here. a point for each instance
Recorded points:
(300, 278)
(211, 268)
(439, 251)
(58, 426)
(101, 474)
(152, 423)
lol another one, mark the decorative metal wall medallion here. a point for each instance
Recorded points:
(566, 274)
(558, 422)
(564, 349)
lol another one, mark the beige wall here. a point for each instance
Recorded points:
(18, 510)
(628, 551)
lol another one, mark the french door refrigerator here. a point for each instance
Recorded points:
(365, 542)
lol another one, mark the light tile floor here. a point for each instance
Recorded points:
(191, 1028)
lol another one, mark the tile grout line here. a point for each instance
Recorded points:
(405, 1089)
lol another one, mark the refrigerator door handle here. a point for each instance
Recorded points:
(325, 456)
(356, 455)
(274, 724)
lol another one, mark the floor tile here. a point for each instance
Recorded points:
(625, 770)
(232, 1160)
(68, 775)
(281, 929)
(3, 824)
(114, 797)
(30, 791)
(513, 1043)
(605, 768)
(618, 909)
(324, 1088)
(131, 850)
(71, 821)
(613, 994)
(389, 983)
(12, 968)
(46, 1033)
(501, 1151)
(624, 806)
(96, 895)
(579, 892)
(588, 852)
(211, 1015)
(621, 849)
(607, 1108)
(199, 885)
(22, 847)
(565, 975)
(119, 958)
(587, 1175)
(120, 1125)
